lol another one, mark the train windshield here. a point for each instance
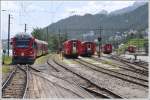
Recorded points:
(22, 43)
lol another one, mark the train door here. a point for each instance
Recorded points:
(74, 47)
(89, 47)
(34, 46)
(108, 47)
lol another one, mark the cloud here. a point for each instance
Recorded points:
(94, 7)
(43, 13)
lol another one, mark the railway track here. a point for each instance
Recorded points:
(138, 71)
(92, 87)
(50, 63)
(132, 65)
(135, 66)
(142, 64)
(123, 77)
(17, 83)
(46, 77)
(53, 79)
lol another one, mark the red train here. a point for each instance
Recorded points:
(88, 48)
(26, 48)
(107, 48)
(131, 49)
(72, 48)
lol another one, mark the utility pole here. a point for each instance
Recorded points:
(99, 41)
(82, 37)
(47, 34)
(66, 37)
(25, 28)
(138, 41)
(8, 32)
(59, 46)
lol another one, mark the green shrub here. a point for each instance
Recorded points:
(7, 59)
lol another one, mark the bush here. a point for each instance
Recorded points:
(7, 59)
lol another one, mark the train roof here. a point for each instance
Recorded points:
(40, 41)
(72, 40)
(26, 35)
(23, 35)
(87, 42)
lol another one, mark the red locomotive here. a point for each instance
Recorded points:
(131, 49)
(107, 48)
(26, 48)
(88, 48)
(72, 48)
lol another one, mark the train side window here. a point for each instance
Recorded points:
(34, 45)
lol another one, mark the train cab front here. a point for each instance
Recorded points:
(75, 52)
(23, 51)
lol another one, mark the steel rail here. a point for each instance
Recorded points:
(9, 78)
(98, 70)
(110, 93)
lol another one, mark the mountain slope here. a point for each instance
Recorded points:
(136, 19)
(128, 9)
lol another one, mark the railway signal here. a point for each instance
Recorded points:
(99, 39)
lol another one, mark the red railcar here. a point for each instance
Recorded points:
(88, 48)
(131, 49)
(72, 48)
(107, 48)
(26, 48)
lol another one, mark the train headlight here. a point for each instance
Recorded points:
(14, 53)
(22, 54)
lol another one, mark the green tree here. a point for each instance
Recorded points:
(53, 39)
(37, 33)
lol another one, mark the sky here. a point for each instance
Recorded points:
(43, 13)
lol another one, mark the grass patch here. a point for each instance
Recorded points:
(42, 59)
(5, 69)
(7, 59)
(108, 62)
(136, 42)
